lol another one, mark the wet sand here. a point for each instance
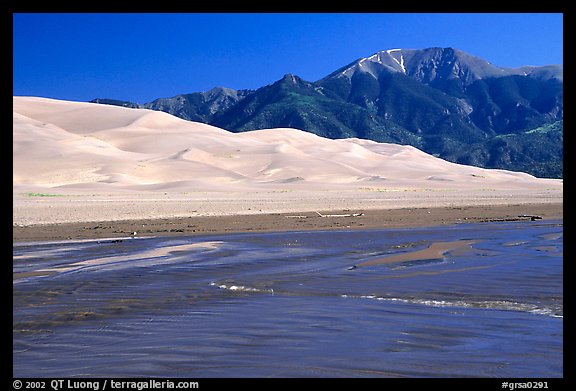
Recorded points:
(277, 222)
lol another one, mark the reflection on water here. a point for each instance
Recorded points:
(293, 304)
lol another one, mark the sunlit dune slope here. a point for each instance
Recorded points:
(85, 145)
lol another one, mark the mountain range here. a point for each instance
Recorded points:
(443, 101)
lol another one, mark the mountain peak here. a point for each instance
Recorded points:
(291, 78)
(218, 92)
(425, 65)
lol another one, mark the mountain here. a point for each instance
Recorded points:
(432, 66)
(199, 106)
(293, 102)
(442, 100)
(496, 100)
(116, 102)
(447, 69)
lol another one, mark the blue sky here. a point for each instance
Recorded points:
(140, 57)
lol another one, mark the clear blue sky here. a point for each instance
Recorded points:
(140, 57)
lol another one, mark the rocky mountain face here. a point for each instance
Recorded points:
(441, 100)
(199, 106)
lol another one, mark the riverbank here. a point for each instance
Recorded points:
(293, 221)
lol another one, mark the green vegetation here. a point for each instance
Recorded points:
(44, 195)
(537, 151)
(553, 127)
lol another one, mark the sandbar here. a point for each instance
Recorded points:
(434, 251)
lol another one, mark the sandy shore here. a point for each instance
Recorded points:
(270, 222)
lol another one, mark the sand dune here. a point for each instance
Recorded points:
(73, 144)
(115, 163)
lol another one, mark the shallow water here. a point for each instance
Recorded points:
(294, 305)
